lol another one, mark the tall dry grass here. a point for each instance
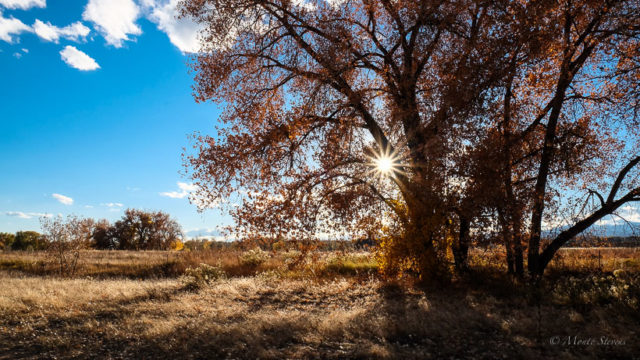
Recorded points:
(307, 306)
(271, 318)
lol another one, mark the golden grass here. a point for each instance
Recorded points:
(567, 259)
(304, 311)
(159, 264)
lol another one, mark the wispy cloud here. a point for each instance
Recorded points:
(185, 189)
(77, 59)
(10, 27)
(23, 4)
(22, 215)
(48, 32)
(111, 204)
(63, 199)
(115, 20)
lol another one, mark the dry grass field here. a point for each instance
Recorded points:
(314, 306)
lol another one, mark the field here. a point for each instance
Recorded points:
(329, 305)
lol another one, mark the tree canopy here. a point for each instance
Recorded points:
(419, 123)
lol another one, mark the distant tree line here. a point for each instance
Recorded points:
(22, 240)
(136, 230)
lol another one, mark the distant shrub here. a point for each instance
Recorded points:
(278, 245)
(351, 265)
(177, 245)
(269, 276)
(598, 289)
(196, 278)
(293, 258)
(254, 257)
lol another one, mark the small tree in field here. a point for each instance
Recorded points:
(66, 239)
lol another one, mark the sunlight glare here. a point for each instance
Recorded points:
(384, 164)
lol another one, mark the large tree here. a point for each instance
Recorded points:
(416, 117)
(319, 94)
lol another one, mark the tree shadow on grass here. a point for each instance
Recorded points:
(395, 322)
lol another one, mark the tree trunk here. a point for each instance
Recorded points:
(540, 191)
(425, 240)
(507, 239)
(517, 248)
(461, 246)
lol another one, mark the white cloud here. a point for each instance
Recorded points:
(11, 26)
(77, 59)
(23, 4)
(627, 213)
(19, 214)
(183, 33)
(113, 205)
(17, 55)
(63, 199)
(185, 189)
(205, 233)
(335, 3)
(30, 215)
(49, 32)
(303, 4)
(114, 19)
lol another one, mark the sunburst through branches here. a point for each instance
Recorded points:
(386, 163)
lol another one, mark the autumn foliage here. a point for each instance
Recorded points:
(495, 117)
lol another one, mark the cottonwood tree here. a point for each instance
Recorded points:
(569, 123)
(562, 128)
(142, 230)
(321, 93)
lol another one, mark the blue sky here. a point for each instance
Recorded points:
(95, 108)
